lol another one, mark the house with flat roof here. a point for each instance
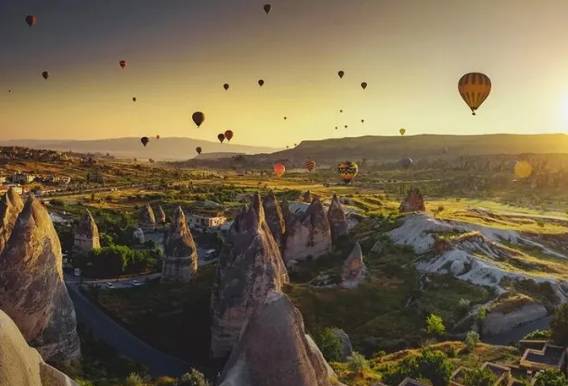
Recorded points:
(547, 356)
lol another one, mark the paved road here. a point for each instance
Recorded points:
(116, 336)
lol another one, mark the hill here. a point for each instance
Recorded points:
(166, 149)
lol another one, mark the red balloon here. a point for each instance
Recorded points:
(31, 20)
(123, 64)
(229, 135)
(279, 169)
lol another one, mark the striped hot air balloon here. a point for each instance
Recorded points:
(310, 165)
(347, 170)
(474, 88)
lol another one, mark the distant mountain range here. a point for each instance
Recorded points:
(164, 149)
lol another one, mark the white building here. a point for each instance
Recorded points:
(205, 223)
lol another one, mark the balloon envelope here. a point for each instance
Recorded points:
(402, 131)
(198, 118)
(310, 165)
(261, 82)
(31, 20)
(122, 64)
(405, 163)
(226, 86)
(229, 135)
(523, 169)
(144, 141)
(341, 73)
(198, 149)
(279, 169)
(45, 74)
(347, 170)
(267, 8)
(474, 88)
(221, 137)
(364, 85)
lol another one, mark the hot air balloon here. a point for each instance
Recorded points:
(221, 137)
(364, 85)
(523, 169)
(402, 131)
(123, 64)
(341, 73)
(198, 149)
(226, 86)
(267, 8)
(336, 127)
(474, 88)
(362, 121)
(144, 141)
(341, 110)
(157, 136)
(346, 126)
(133, 99)
(31, 20)
(285, 118)
(9, 91)
(198, 117)
(406, 163)
(347, 170)
(45, 74)
(261, 82)
(310, 165)
(229, 135)
(279, 169)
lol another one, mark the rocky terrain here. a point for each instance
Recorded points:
(250, 267)
(181, 260)
(10, 208)
(21, 365)
(86, 237)
(33, 293)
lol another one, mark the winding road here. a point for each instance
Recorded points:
(123, 341)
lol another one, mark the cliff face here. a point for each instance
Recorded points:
(21, 365)
(33, 293)
(10, 208)
(249, 268)
(274, 350)
(147, 219)
(181, 260)
(337, 219)
(274, 217)
(308, 235)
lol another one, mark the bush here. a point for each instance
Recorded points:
(193, 378)
(559, 325)
(471, 340)
(357, 363)
(479, 377)
(551, 378)
(538, 334)
(134, 380)
(329, 344)
(435, 325)
(435, 366)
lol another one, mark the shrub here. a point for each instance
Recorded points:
(357, 363)
(193, 378)
(559, 325)
(435, 366)
(479, 377)
(538, 334)
(329, 344)
(134, 379)
(551, 378)
(471, 340)
(435, 325)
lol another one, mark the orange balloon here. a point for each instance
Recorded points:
(279, 169)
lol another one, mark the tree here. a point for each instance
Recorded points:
(435, 325)
(357, 363)
(471, 340)
(193, 378)
(329, 344)
(479, 377)
(435, 366)
(559, 325)
(551, 378)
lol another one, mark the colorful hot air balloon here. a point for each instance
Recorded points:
(122, 64)
(45, 74)
(310, 165)
(31, 20)
(267, 8)
(144, 141)
(364, 85)
(474, 88)
(279, 169)
(261, 82)
(198, 149)
(221, 137)
(347, 170)
(523, 169)
(341, 73)
(406, 163)
(402, 131)
(198, 117)
(229, 135)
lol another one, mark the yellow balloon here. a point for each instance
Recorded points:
(523, 169)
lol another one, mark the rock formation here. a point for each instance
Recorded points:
(181, 260)
(32, 292)
(307, 235)
(307, 196)
(86, 236)
(21, 365)
(161, 215)
(354, 269)
(414, 202)
(10, 208)
(346, 346)
(250, 267)
(274, 350)
(147, 219)
(337, 219)
(274, 217)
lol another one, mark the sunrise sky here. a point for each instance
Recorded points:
(180, 52)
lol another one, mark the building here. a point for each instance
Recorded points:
(22, 178)
(542, 355)
(206, 223)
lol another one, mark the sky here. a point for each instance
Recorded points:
(181, 52)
